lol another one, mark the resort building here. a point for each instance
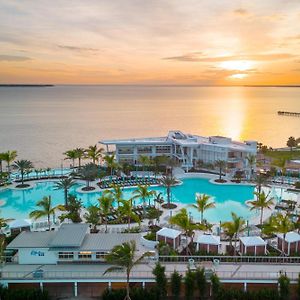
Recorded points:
(187, 149)
(170, 236)
(208, 243)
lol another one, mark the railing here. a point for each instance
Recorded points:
(233, 259)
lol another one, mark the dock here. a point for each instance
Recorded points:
(288, 113)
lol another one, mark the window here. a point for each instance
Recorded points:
(125, 150)
(163, 149)
(145, 149)
(100, 255)
(85, 255)
(65, 255)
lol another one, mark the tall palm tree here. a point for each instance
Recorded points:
(144, 161)
(9, 157)
(65, 184)
(168, 182)
(105, 207)
(233, 228)
(92, 216)
(94, 153)
(79, 154)
(116, 192)
(126, 209)
(123, 256)
(251, 159)
(220, 164)
(260, 181)
(203, 203)
(143, 192)
(71, 154)
(280, 163)
(2, 156)
(262, 202)
(110, 162)
(46, 210)
(23, 166)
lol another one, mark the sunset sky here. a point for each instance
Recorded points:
(198, 42)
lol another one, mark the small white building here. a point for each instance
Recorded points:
(290, 244)
(208, 243)
(17, 226)
(253, 245)
(169, 236)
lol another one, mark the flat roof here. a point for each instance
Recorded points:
(290, 237)
(208, 239)
(252, 241)
(169, 232)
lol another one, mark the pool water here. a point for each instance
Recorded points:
(18, 204)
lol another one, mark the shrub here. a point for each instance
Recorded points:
(189, 282)
(23, 294)
(161, 281)
(284, 287)
(151, 236)
(135, 294)
(201, 282)
(176, 279)
(216, 285)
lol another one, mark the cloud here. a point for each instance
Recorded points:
(77, 49)
(5, 57)
(241, 12)
(198, 57)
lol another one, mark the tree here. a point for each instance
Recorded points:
(2, 156)
(176, 279)
(143, 192)
(189, 282)
(88, 173)
(110, 162)
(260, 181)
(161, 281)
(126, 210)
(144, 161)
(262, 201)
(280, 163)
(72, 155)
(203, 203)
(73, 210)
(46, 210)
(201, 282)
(291, 142)
(23, 166)
(65, 184)
(92, 216)
(94, 153)
(9, 157)
(168, 182)
(116, 192)
(251, 159)
(220, 164)
(123, 256)
(79, 154)
(105, 205)
(233, 228)
(284, 287)
(216, 285)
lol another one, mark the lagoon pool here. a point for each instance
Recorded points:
(18, 204)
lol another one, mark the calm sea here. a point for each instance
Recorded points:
(42, 123)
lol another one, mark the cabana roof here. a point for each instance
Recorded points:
(252, 241)
(290, 237)
(208, 239)
(169, 232)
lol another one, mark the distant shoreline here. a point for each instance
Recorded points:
(26, 85)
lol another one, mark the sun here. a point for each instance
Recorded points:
(237, 65)
(238, 76)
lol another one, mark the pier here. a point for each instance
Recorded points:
(288, 113)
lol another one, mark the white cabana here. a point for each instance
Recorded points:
(253, 245)
(208, 243)
(169, 236)
(291, 242)
(19, 225)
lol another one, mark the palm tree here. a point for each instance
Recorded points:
(123, 256)
(220, 164)
(110, 162)
(251, 159)
(144, 161)
(92, 216)
(23, 166)
(291, 143)
(9, 157)
(105, 206)
(203, 203)
(71, 154)
(168, 182)
(260, 181)
(262, 201)
(126, 209)
(280, 163)
(116, 192)
(65, 184)
(142, 192)
(233, 228)
(183, 220)
(46, 209)
(2, 156)
(171, 163)
(79, 154)
(94, 153)
(88, 173)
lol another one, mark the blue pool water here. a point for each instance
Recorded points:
(18, 204)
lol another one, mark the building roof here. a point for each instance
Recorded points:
(208, 239)
(19, 224)
(290, 237)
(169, 232)
(27, 239)
(252, 241)
(69, 235)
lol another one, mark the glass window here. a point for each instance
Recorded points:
(65, 255)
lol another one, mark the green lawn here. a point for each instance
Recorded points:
(295, 154)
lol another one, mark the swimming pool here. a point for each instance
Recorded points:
(18, 204)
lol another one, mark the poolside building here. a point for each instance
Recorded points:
(208, 243)
(253, 245)
(187, 149)
(170, 236)
(290, 244)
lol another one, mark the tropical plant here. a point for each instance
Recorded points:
(144, 161)
(233, 228)
(126, 210)
(2, 155)
(71, 155)
(88, 173)
(73, 210)
(262, 202)
(23, 166)
(201, 282)
(105, 206)
(143, 192)
(9, 157)
(215, 285)
(260, 181)
(168, 182)
(79, 154)
(46, 210)
(123, 256)
(161, 281)
(92, 216)
(284, 287)
(189, 282)
(65, 184)
(280, 163)
(110, 163)
(203, 203)
(291, 142)
(176, 279)
(171, 163)
(116, 192)
(94, 153)
(220, 164)
(3, 223)
(251, 159)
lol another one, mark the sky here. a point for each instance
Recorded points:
(192, 42)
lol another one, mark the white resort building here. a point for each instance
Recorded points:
(187, 149)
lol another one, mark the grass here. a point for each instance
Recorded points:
(288, 155)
